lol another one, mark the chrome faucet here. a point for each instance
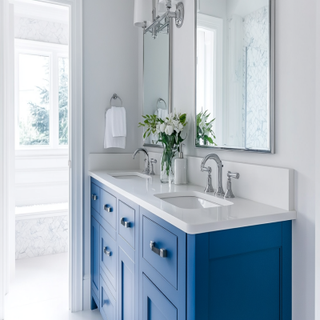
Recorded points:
(209, 188)
(147, 167)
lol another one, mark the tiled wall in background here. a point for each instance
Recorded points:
(256, 74)
(42, 236)
(38, 30)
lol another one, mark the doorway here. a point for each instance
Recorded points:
(7, 146)
(41, 103)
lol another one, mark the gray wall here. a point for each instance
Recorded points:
(295, 125)
(110, 52)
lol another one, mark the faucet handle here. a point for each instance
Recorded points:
(206, 169)
(147, 167)
(152, 161)
(234, 175)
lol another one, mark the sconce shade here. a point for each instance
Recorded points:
(161, 7)
(142, 12)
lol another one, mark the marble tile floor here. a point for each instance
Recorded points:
(40, 291)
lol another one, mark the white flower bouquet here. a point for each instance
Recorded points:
(169, 134)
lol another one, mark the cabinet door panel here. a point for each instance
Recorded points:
(243, 285)
(107, 302)
(95, 257)
(108, 256)
(126, 288)
(155, 305)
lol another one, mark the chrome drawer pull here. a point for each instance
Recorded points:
(107, 208)
(107, 252)
(94, 197)
(126, 224)
(160, 252)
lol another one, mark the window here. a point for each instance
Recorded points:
(42, 95)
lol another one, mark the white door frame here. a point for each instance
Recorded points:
(2, 158)
(75, 153)
(317, 168)
(6, 149)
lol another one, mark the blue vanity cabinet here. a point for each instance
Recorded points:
(144, 268)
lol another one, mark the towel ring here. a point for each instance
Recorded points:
(115, 97)
(161, 100)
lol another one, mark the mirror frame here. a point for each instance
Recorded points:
(169, 80)
(271, 84)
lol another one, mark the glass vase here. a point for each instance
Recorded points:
(166, 172)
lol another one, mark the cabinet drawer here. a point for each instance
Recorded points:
(108, 208)
(108, 256)
(160, 250)
(155, 305)
(107, 302)
(95, 197)
(127, 218)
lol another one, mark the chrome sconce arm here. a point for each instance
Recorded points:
(161, 22)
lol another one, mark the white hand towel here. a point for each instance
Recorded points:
(109, 140)
(119, 123)
(162, 113)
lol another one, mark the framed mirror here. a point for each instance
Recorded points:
(157, 77)
(234, 74)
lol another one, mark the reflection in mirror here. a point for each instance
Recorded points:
(156, 79)
(234, 107)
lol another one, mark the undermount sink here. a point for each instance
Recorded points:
(192, 200)
(134, 175)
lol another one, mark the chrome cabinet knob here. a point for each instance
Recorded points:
(107, 208)
(126, 224)
(94, 197)
(107, 252)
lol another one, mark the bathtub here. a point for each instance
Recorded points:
(41, 230)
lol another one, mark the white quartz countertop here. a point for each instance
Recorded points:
(241, 213)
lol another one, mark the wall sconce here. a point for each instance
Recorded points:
(145, 15)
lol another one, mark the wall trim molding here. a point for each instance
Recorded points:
(47, 156)
(41, 184)
(38, 215)
(34, 170)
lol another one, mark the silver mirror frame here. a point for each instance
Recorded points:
(169, 80)
(271, 84)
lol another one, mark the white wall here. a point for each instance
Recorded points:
(295, 129)
(110, 66)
